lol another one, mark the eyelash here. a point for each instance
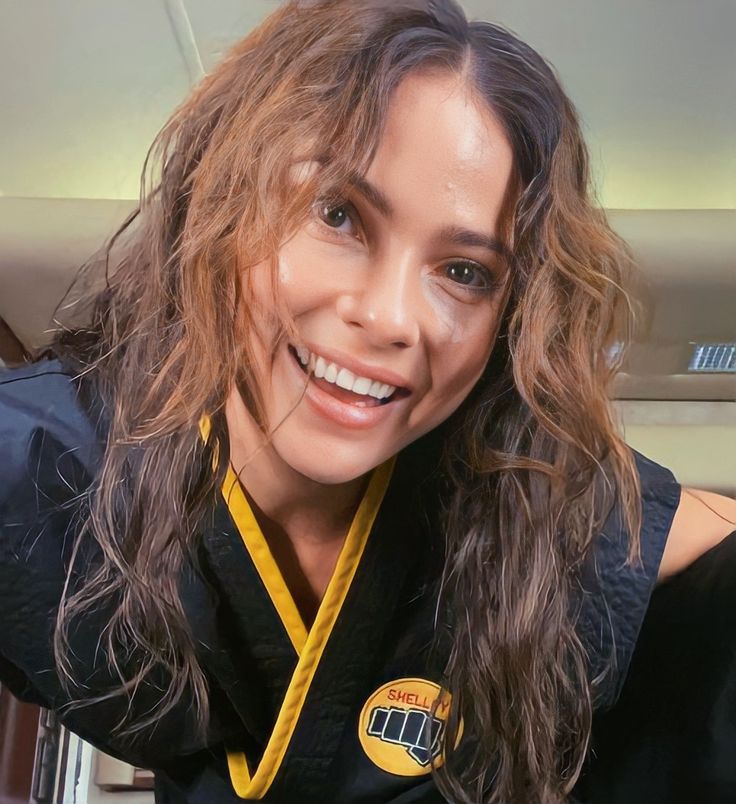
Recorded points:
(492, 284)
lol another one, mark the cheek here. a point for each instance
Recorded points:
(459, 377)
(303, 278)
(464, 328)
(455, 373)
(460, 363)
(463, 352)
(449, 329)
(295, 292)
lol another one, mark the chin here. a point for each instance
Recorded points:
(334, 478)
(337, 472)
(329, 467)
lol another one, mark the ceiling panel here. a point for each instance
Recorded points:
(217, 25)
(655, 84)
(93, 81)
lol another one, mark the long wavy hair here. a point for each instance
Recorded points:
(172, 329)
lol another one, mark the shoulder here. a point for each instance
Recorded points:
(41, 407)
(615, 590)
(687, 522)
(40, 393)
(679, 526)
(702, 520)
(48, 456)
(670, 735)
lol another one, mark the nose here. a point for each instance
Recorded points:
(385, 304)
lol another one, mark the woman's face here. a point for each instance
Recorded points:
(399, 286)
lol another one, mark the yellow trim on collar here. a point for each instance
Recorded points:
(205, 425)
(308, 645)
(255, 543)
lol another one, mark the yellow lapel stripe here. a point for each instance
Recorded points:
(268, 569)
(250, 533)
(205, 425)
(311, 645)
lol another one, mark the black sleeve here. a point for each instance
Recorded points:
(616, 593)
(50, 452)
(47, 445)
(671, 738)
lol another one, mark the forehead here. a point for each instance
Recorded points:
(443, 152)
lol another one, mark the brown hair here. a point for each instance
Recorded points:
(172, 330)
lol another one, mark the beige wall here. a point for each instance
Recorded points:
(696, 440)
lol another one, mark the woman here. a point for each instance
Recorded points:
(323, 499)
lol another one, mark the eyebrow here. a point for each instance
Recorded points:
(457, 235)
(372, 194)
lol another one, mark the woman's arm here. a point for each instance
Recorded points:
(702, 520)
(46, 445)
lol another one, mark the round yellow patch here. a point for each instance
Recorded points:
(398, 729)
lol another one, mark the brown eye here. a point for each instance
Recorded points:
(336, 215)
(471, 275)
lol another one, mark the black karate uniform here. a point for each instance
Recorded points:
(339, 713)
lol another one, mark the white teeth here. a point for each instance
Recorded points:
(333, 373)
(320, 367)
(362, 385)
(303, 355)
(345, 379)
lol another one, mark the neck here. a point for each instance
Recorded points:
(287, 499)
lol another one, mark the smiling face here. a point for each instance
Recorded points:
(400, 283)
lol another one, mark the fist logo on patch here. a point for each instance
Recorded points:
(399, 731)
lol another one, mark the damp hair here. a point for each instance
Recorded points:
(535, 459)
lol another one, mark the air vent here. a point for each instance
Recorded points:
(713, 357)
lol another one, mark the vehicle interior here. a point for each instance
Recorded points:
(87, 85)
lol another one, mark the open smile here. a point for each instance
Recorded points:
(343, 384)
(363, 403)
